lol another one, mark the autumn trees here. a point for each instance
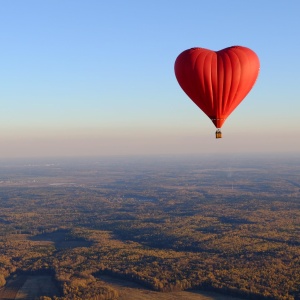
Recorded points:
(167, 226)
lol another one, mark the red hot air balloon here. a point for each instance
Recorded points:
(217, 82)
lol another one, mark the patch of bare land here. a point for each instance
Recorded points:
(10, 290)
(29, 287)
(129, 290)
(62, 239)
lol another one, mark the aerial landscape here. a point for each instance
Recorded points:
(81, 228)
(149, 150)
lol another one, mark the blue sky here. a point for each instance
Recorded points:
(96, 77)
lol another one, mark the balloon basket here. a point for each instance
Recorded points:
(218, 134)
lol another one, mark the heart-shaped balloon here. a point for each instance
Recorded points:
(218, 81)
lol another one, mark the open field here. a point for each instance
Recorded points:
(61, 240)
(28, 287)
(9, 292)
(133, 291)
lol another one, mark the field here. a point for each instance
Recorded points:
(60, 240)
(26, 287)
(132, 291)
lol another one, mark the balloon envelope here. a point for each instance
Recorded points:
(218, 81)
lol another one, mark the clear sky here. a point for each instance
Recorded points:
(97, 77)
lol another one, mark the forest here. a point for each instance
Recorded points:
(226, 224)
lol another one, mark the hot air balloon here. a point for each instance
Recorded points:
(217, 81)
